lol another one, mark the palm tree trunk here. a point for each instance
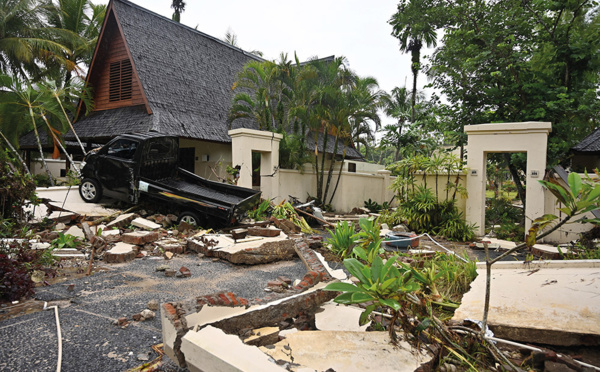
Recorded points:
(69, 121)
(339, 176)
(416, 57)
(39, 143)
(321, 175)
(57, 140)
(330, 173)
(14, 151)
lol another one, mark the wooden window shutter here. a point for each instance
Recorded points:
(120, 80)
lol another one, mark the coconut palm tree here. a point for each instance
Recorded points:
(413, 31)
(76, 24)
(398, 106)
(26, 43)
(178, 6)
(365, 121)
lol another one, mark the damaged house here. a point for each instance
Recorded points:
(150, 73)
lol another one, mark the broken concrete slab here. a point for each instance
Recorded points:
(264, 231)
(550, 302)
(121, 221)
(539, 250)
(263, 336)
(121, 252)
(212, 350)
(110, 233)
(249, 251)
(145, 224)
(67, 253)
(76, 232)
(67, 198)
(336, 317)
(361, 351)
(171, 245)
(139, 237)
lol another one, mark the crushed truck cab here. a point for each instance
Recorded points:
(144, 167)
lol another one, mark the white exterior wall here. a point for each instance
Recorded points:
(54, 165)
(219, 157)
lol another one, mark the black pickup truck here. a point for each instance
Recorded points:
(144, 167)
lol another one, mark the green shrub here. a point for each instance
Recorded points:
(16, 187)
(342, 239)
(424, 214)
(500, 211)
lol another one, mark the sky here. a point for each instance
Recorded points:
(355, 29)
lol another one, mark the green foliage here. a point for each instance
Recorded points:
(260, 212)
(424, 214)
(390, 217)
(384, 285)
(368, 239)
(581, 252)
(500, 211)
(507, 61)
(342, 239)
(65, 241)
(511, 231)
(373, 206)
(17, 187)
(42, 180)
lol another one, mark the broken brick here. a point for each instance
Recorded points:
(139, 237)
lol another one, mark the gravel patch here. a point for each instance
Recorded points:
(91, 341)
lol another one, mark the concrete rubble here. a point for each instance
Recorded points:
(547, 302)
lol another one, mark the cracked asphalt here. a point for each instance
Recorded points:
(91, 342)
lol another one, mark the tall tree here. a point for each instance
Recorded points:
(515, 60)
(414, 28)
(26, 43)
(178, 6)
(397, 105)
(76, 24)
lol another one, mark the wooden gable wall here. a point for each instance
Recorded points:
(112, 48)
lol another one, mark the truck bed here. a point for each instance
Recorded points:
(200, 190)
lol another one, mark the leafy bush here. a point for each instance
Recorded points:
(368, 239)
(500, 211)
(382, 285)
(260, 212)
(424, 214)
(65, 241)
(15, 268)
(42, 180)
(342, 239)
(15, 188)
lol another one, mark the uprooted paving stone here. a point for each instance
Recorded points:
(122, 220)
(139, 237)
(76, 232)
(171, 245)
(548, 302)
(361, 351)
(121, 252)
(145, 224)
(249, 251)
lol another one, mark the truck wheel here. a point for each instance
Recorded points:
(190, 218)
(90, 190)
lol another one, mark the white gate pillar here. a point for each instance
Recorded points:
(528, 137)
(243, 143)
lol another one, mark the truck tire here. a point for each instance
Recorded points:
(90, 190)
(191, 218)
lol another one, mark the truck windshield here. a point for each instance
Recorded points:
(123, 148)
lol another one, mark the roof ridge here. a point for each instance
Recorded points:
(139, 7)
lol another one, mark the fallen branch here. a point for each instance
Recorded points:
(316, 218)
(106, 218)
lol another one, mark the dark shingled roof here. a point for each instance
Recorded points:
(186, 75)
(590, 144)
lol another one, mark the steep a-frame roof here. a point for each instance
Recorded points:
(590, 144)
(186, 78)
